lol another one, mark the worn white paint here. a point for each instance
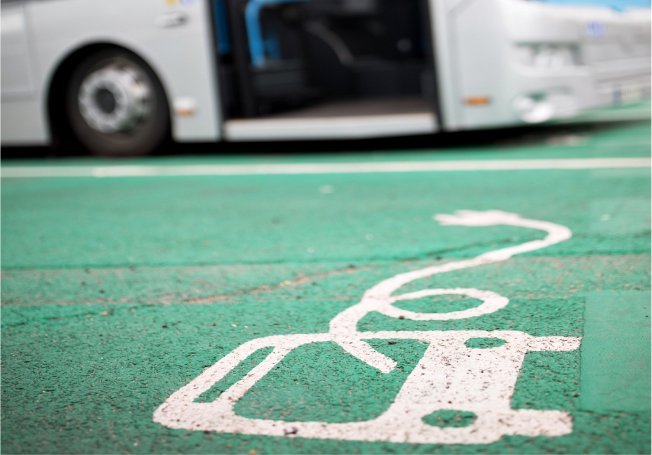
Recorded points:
(321, 168)
(449, 376)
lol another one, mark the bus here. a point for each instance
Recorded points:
(122, 76)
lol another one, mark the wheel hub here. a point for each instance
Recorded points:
(114, 99)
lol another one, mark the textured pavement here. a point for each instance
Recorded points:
(117, 292)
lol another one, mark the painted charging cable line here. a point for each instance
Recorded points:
(381, 298)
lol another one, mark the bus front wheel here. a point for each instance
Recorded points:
(116, 106)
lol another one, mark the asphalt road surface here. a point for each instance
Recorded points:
(313, 303)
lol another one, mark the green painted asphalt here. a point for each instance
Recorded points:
(118, 292)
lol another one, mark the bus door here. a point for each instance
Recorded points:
(365, 60)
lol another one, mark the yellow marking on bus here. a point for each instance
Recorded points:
(477, 101)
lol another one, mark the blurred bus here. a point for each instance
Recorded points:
(121, 76)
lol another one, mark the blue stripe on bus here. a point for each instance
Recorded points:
(254, 30)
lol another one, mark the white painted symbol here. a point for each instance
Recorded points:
(452, 375)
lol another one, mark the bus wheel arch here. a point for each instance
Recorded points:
(91, 68)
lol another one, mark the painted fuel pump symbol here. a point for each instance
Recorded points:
(453, 374)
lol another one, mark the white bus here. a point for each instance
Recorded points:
(121, 76)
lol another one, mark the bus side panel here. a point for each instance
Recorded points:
(174, 38)
(22, 120)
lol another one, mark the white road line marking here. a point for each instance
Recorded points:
(320, 168)
(452, 375)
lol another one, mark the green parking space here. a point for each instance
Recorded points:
(217, 314)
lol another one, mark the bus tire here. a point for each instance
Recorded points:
(116, 106)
